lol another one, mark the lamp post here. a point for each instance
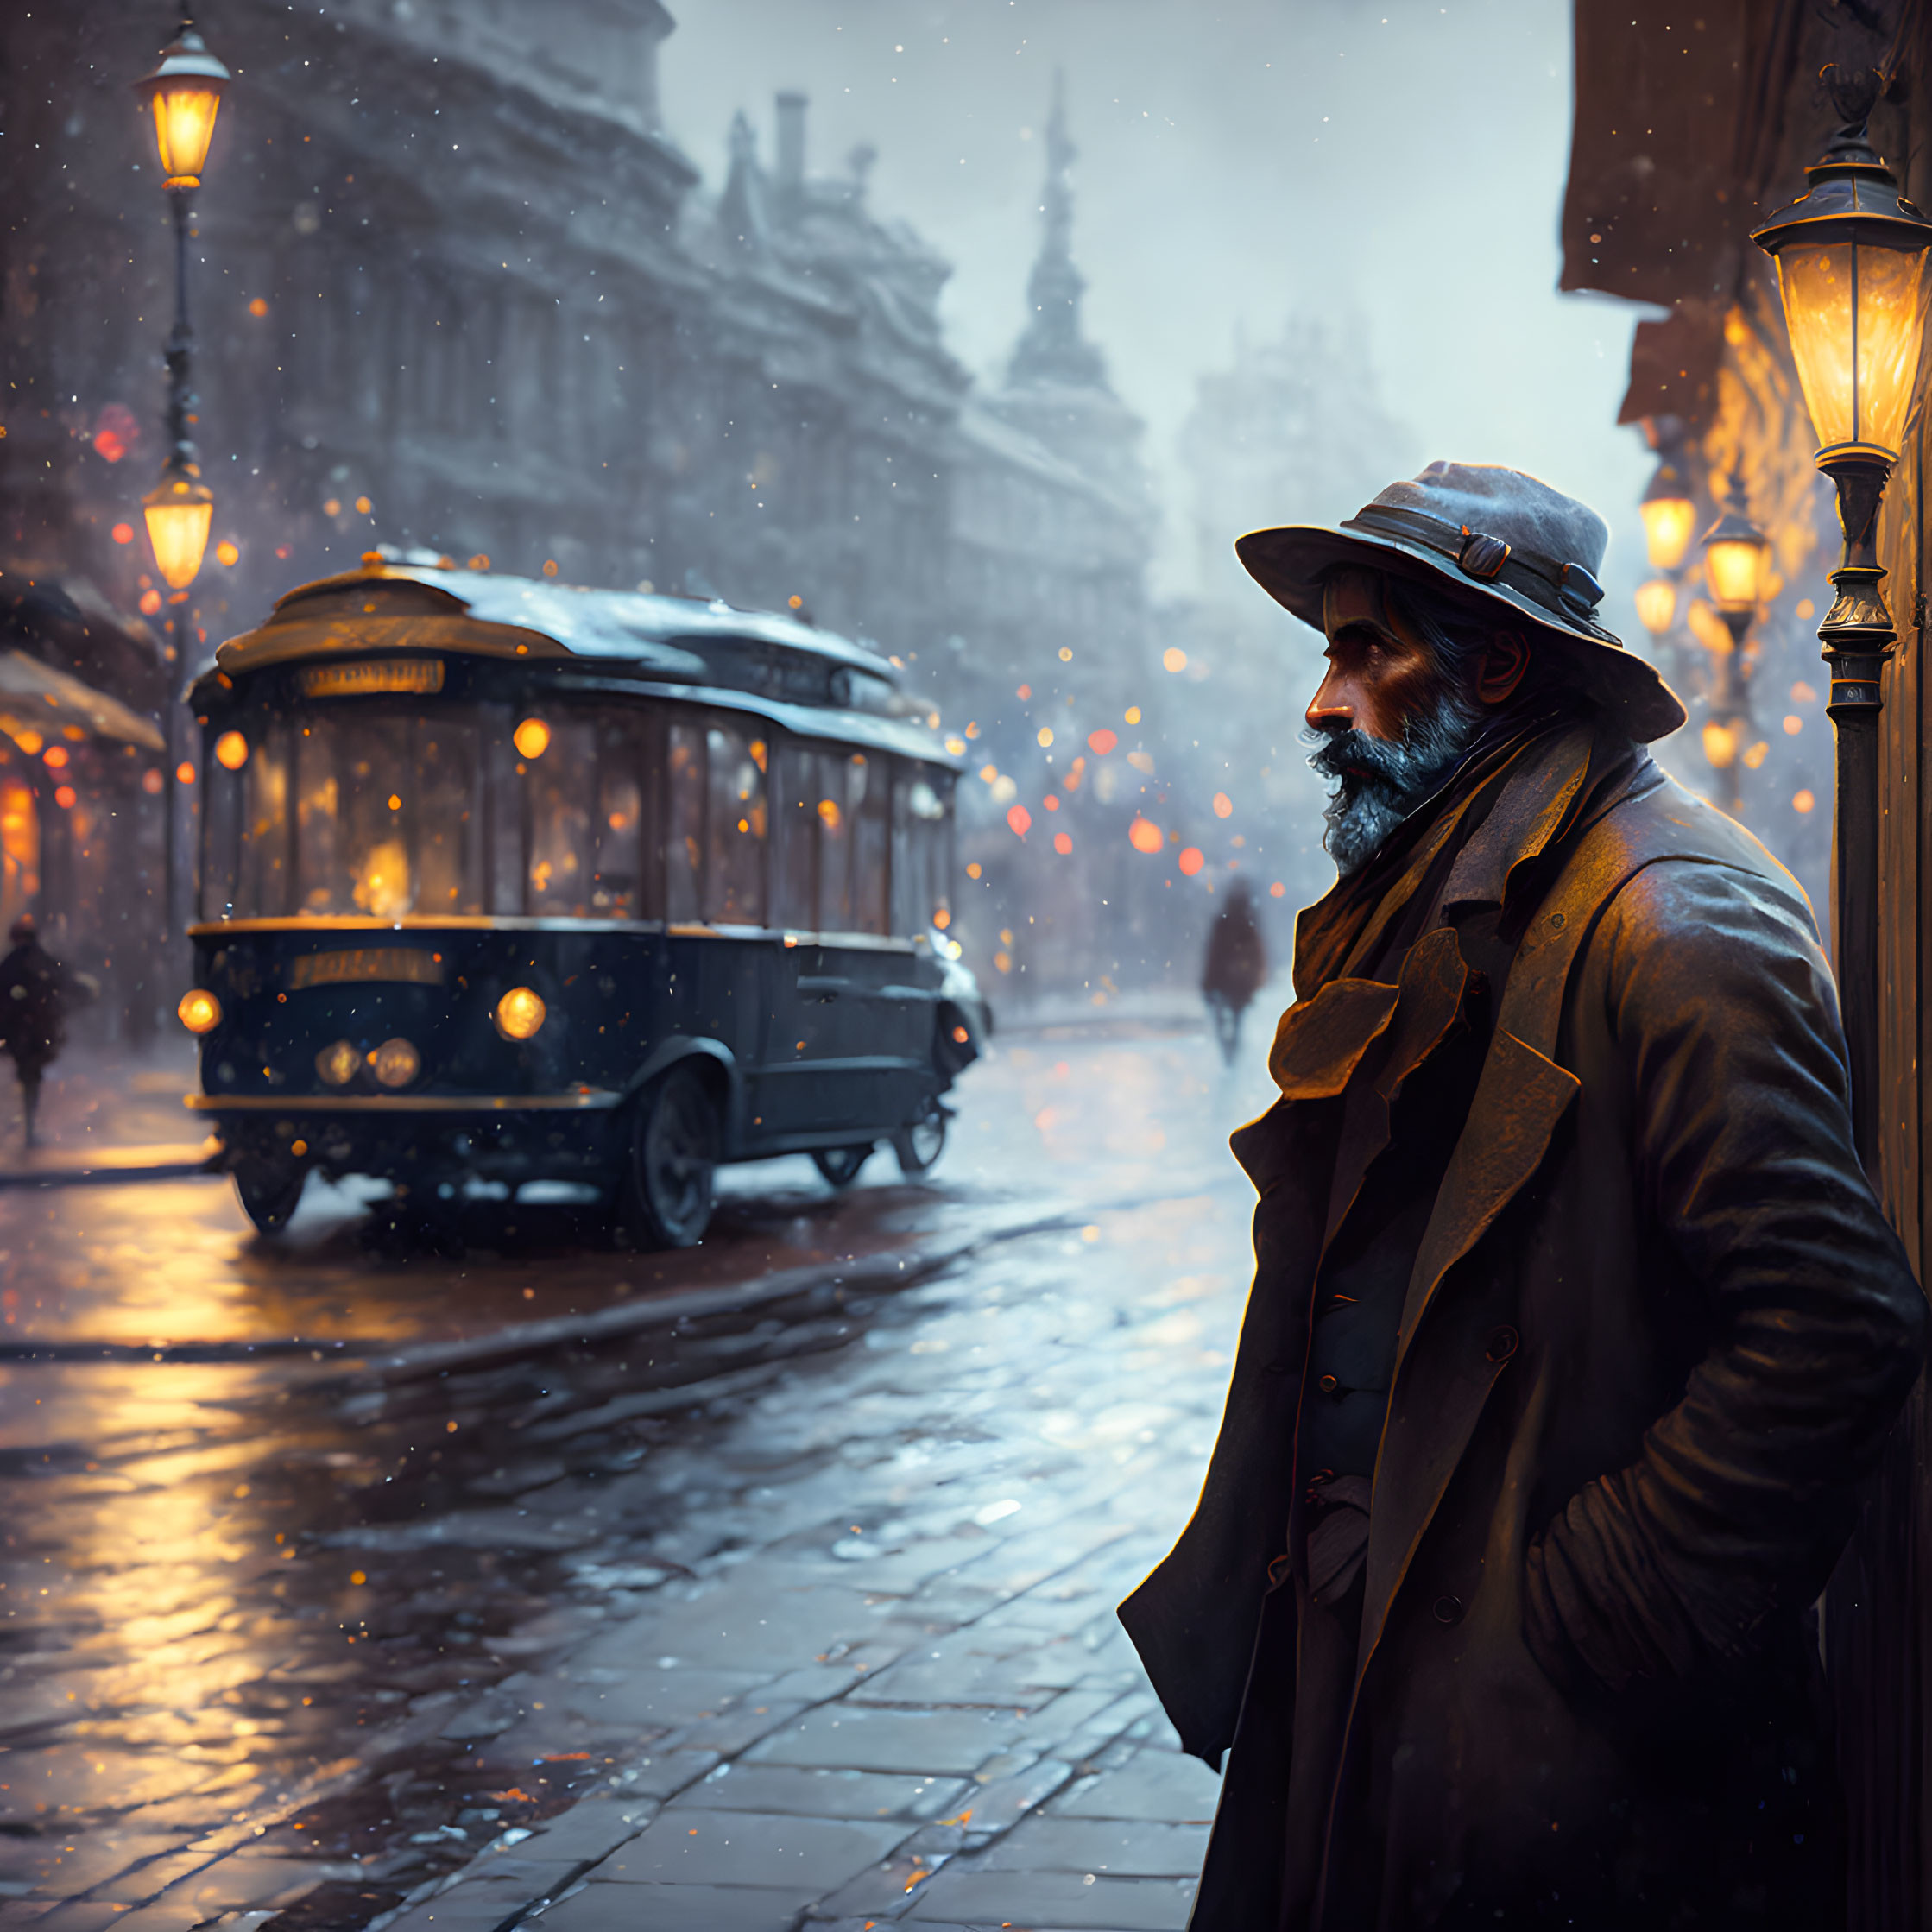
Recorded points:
(1852, 275)
(1735, 553)
(183, 94)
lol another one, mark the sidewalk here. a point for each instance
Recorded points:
(105, 1116)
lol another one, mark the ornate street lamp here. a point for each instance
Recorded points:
(1657, 605)
(1851, 256)
(183, 95)
(1669, 515)
(1736, 552)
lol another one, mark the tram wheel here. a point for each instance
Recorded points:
(921, 1142)
(270, 1191)
(674, 1150)
(841, 1166)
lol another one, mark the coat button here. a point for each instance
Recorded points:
(1327, 1385)
(1503, 1343)
(1448, 1609)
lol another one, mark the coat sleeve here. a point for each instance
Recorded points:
(1725, 1017)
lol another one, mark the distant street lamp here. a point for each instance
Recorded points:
(183, 95)
(1736, 552)
(1851, 256)
(1669, 515)
(1657, 605)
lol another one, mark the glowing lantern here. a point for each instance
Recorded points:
(1670, 517)
(1735, 553)
(1657, 605)
(519, 1012)
(184, 95)
(179, 509)
(200, 1011)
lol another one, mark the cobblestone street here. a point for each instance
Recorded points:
(767, 1585)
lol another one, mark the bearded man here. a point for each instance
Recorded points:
(1575, 1324)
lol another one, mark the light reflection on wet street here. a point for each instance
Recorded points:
(280, 1515)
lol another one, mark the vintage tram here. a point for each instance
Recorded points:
(504, 881)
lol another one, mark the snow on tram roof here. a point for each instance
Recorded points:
(589, 623)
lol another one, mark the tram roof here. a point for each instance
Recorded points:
(707, 647)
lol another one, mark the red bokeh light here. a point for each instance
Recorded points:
(1063, 842)
(1191, 860)
(1277, 890)
(64, 796)
(1100, 743)
(1052, 803)
(1143, 836)
(123, 533)
(1021, 820)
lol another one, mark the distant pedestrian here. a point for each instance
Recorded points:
(36, 994)
(1236, 965)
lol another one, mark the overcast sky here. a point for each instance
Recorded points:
(1238, 159)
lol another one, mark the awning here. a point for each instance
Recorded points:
(38, 700)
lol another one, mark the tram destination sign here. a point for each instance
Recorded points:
(342, 964)
(371, 676)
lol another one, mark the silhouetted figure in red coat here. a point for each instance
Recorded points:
(1236, 965)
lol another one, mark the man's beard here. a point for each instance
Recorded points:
(1379, 782)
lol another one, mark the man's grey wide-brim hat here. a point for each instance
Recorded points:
(1482, 535)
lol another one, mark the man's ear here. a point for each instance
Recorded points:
(1503, 664)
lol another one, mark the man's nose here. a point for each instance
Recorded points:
(1331, 705)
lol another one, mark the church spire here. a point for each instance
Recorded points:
(1051, 349)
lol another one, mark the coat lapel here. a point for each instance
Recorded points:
(1519, 1100)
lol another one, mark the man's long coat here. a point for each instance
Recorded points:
(1655, 1331)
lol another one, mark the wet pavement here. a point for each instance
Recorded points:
(349, 1585)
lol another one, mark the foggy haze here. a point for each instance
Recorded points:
(1397, 165)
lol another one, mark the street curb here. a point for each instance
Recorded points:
(110, 1166)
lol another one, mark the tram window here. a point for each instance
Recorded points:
(624, 885)
(868, 792)
(375, 807)
(834, 804)
(560, 782)
(735, 869)
(501, 798)
(795, 796)
(221, 833)
(449, 828)
(684, 854)
(315, 816)
(922, 848)
(262, 855)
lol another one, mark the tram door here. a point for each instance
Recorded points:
(845, 1031)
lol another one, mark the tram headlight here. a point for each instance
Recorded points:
(519, 1014)
(200, 1011)
(337, 1064)
(396, 1062)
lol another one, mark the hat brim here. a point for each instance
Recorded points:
(1290, 562)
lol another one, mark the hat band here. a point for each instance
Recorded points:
(1566, 591)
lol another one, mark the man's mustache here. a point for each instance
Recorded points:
(1355, 761)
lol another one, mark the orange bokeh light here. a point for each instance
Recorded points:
(1224, 805)
(64, 796)
(1052, 803)
(1277, 890)
(1802, 801)
(184, 773)
(1063, 844)
(1191, 860)
(1021, 820)
(56, 756)
(123, 533)
(1100, 743)
(1143, 836)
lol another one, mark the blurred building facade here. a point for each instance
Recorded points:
(455, 290)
